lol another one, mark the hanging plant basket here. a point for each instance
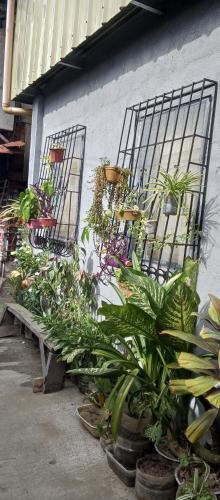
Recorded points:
(57, 155)
(41, 222)
(112, 174)
(170, 206)
(128, 215)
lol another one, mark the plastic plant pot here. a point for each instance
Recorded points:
(170, 206)
(128, 215)
(216, 493)
(112, 174)
(153, 484)
(127, 475)
(57, 155)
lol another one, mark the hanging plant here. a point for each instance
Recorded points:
(169, 191)
(106, 195)
(128, 210)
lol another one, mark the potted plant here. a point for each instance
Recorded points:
(44, 208)
(106, 195)
(155, 479)
(205, 384)
(57, 151)
(195, 482)
(169, 190)
(34, 207)
(128, 210)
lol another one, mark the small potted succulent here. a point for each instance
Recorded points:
(170, 189)
(57, 151)
(129, 210)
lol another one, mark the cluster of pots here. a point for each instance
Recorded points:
(135, 460)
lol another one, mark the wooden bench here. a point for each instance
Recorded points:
(53, 370)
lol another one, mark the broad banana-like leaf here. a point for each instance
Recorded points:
(178, 387)
(177, 309)
(214, 309)
(206, 333)
(200, 385)
(201, 425)
(192, 339)
(214, 398)
(120, 400)
(126, 321)
(195, 363)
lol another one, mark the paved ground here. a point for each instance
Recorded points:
(45, 454)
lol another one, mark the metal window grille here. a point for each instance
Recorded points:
(173, 129)
(67, 181)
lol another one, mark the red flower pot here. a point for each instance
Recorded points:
(41, 222)
(57, 155)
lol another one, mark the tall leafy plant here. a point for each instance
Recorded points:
(139, 355)
(206, 367)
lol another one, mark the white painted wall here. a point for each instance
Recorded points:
(179, 51)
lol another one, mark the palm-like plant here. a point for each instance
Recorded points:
(206, 366)
(138, 355)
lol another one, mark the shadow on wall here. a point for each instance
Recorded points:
(141, 41)
(210, 228)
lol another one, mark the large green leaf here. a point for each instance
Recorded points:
(206, 333)
(176, 312)
(214, 309)
(178, 387)
(200, 385)
(139, 282)
(195, 363)
(201, 425)
(119, 402)
(214, 398)
(96, 372)
(126, 321)
(192, 339)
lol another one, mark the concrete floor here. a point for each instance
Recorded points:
(45, 453)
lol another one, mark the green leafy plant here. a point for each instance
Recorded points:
(106, 196)
(170, 185)
(196, 488)
(138, 357)
(206, 368)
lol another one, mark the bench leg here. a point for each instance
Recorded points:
(6, 318)
(54, 376)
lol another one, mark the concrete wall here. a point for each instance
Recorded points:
(6, 121)
(183, 48)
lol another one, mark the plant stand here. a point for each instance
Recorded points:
(53, 371)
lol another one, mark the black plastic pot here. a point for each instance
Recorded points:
(130, 443)
(154, 487)
(170, 206)
(125, 474)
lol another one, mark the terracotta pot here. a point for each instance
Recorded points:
(41, 222)
(130, 215)
(112, 174)
(57, 155)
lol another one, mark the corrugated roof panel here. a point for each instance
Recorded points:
(47, 30)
